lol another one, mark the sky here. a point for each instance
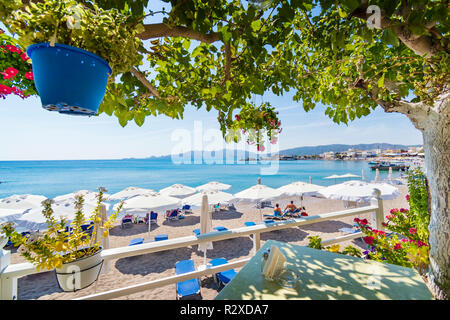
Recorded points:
(29, 132)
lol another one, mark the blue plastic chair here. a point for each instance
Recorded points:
(225, 276)
(196, 231)
(220, 228)
(136, 241)
(161, 237)
(187, 289)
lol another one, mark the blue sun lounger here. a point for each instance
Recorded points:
(249, 223)
(222, 278)
(220, 228)
(196, 231)
(136, 241)
(188, 289)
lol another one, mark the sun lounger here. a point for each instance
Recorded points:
(127, 221)
(222, 278)
(196, 231)
(231, 207)
(136, 241)
(174, 215)
(188, 289)
(284, 216)
(220, 228)
(186, 209)
(249, 223)
(161, 237)
(153, 217)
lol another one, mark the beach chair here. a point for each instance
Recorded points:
(249, 223)
(215, 207)
(231, 207)
(186, 209)
(136, 241)
(196, 231)
(173, 215)
(188, 289)
(161, 237)
(222, 278)
(151, 217)
(127, 221)
(284, 216)
(220, 228)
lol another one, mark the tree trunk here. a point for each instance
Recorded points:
(436, 135)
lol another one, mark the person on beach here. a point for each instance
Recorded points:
(277, 210)
(291, 207)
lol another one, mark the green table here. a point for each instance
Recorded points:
(326, 276)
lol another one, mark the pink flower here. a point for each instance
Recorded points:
(420, 243)
(9, 73)
(356, 220)
(13, 49)
(404, 240)
(4, 90)
(412, 230)
(29, 75)
(363, 221)
(407, 197)
(237, 117)
(397, 246)
(368, 239)
(274, 140)
(261, 148)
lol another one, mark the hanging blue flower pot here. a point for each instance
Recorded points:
(68, 79)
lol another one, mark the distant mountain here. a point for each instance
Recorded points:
(315, 150)
(299, 151)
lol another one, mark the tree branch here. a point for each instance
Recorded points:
(157, 30)
(227, 65)
(141, 77)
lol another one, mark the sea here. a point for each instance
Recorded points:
(54, 178)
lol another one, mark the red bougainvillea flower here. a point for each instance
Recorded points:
(397, 246)
(260, 148)
(13, 49)
(420, 243)
(24, 56)
(4, 89)
(379, 232)
(403, 210)
(404, 240)
(356, 220)
(412, 230)
(9, 73)
(237, 117)
(363, 222)
(368, 239)
(393, 211)
(390, 217)
(384, 224)
(29, 75)
(274, 140)
(407, 197)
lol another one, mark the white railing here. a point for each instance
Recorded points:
(10, 273)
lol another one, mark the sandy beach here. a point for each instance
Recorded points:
(139, 269)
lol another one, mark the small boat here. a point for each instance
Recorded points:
(386, 165)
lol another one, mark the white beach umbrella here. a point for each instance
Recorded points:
(205, 226)
(390, 174)
(21, 201)
(358, 191)
(334, 176)
(256, 194)
(142, 204)
(213, 185)
(349, 175)
(88, 196)
(33, 218)
(299, 189)
(214, 196)
(10, 214)
(129, 193)
(178, 190)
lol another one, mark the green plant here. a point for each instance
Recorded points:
(110, 34)
(315, 242)
(57, 245)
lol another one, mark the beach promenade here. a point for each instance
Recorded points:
(139, 269)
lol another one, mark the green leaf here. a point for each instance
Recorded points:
(380, 81)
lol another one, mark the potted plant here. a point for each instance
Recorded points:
(75, 48)
(73, 251)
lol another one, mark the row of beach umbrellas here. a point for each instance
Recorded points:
(26, 210)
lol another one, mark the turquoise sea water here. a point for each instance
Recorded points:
(53, 178)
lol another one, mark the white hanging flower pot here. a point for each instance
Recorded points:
(81, 273)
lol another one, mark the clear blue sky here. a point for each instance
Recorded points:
(28, 132)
